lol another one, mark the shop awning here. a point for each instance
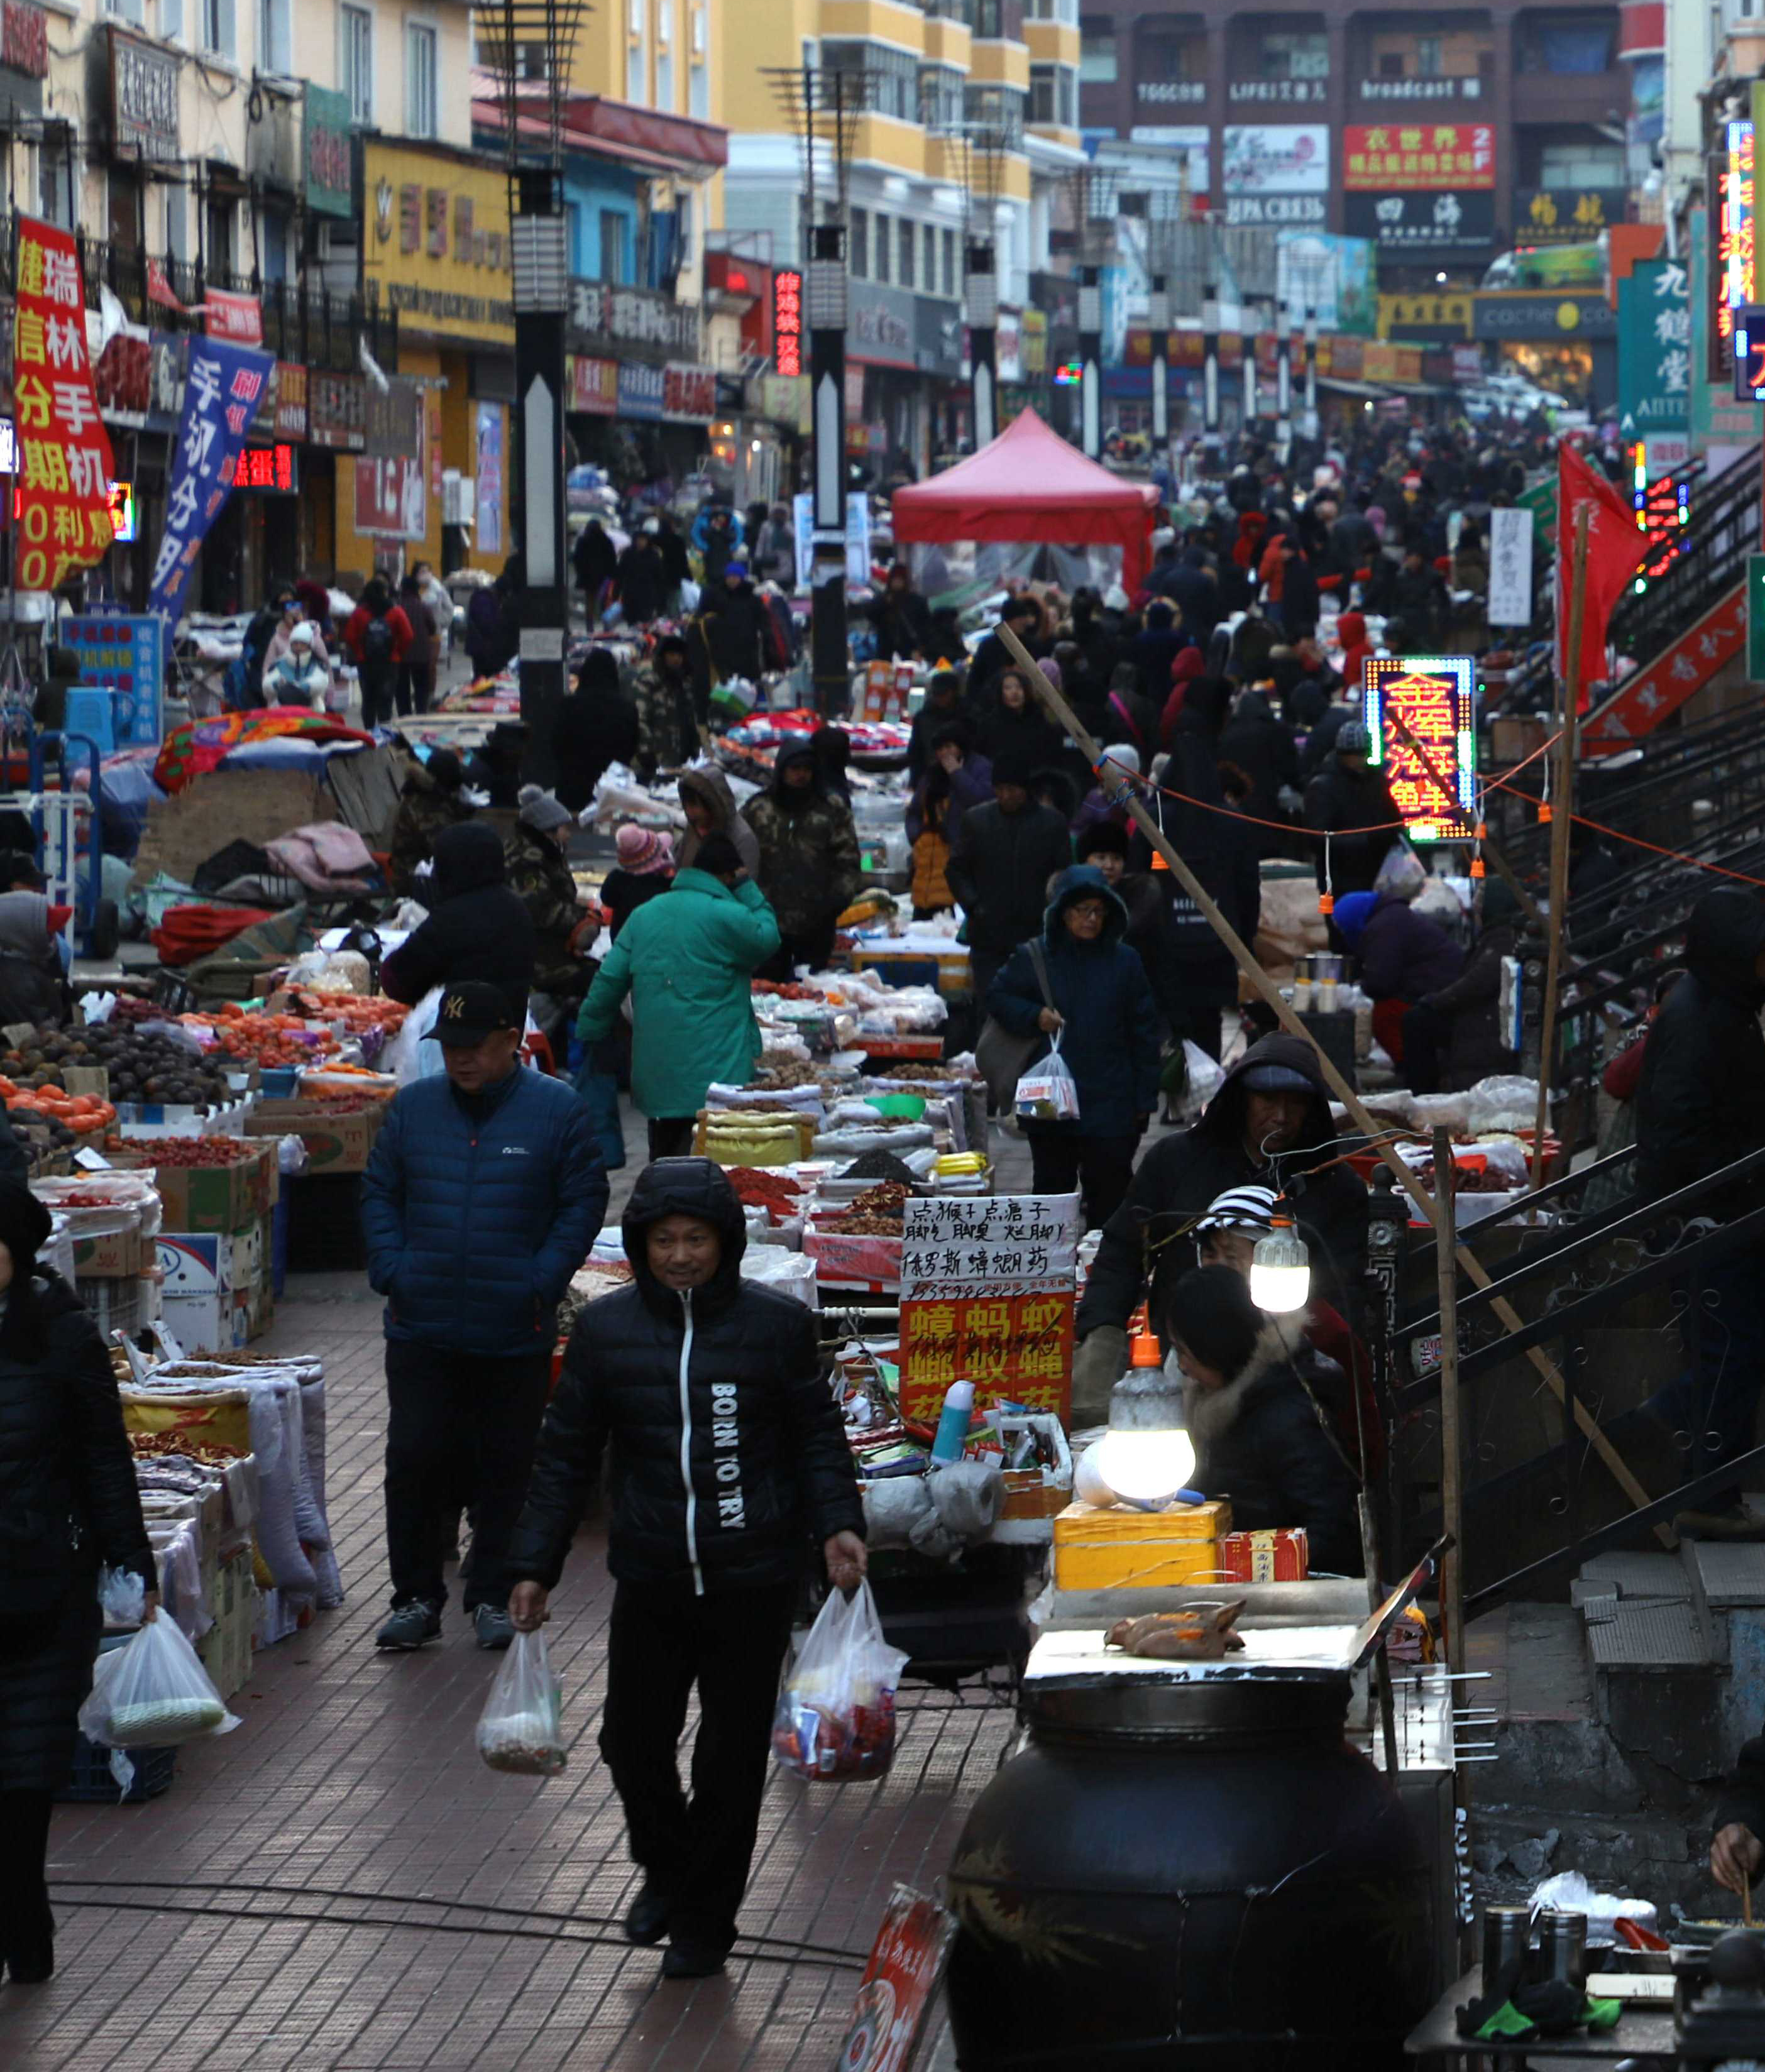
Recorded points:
(1028, 484)
(603, 128)
(1369, 391)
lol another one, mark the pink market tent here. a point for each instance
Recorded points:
(1029, 484)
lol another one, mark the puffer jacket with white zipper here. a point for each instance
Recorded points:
(730, 1461)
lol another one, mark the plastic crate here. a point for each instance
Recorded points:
(93, 1784)
(123, 1304)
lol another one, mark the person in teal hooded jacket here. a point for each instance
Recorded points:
(1107, 1024)
(686, 960)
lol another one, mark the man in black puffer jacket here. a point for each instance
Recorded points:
(478, 927)
(729, 1466)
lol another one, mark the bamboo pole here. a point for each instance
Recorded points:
(1562, 806)
(1452, 1444)
(1425, 1203)
(1491, 847)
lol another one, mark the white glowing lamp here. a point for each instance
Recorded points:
(1147, 1456)
(1280, 1270)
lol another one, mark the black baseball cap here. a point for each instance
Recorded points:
(469, 1011)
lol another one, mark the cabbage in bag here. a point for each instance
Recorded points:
(835, 1720)
(521, 1728)
(153, 1692)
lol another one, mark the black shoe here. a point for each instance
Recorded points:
(692, 1960)
(647, 1920)
(32, 1960)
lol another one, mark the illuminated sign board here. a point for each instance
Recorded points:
(1434, 696)
(1068, 374)
(1749, 322)
(122, 511)
(270, 469)
(1734, 272)
(787, 321)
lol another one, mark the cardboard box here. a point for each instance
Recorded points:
(1096, 1549)
(1278, 1557)
(198, 1302)
(336, 1141)
(222, 1198)
(113, 1255)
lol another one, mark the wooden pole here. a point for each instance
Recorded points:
(1491, 847)
(1282, 1009)
(1562, 806)
(1452, 1444)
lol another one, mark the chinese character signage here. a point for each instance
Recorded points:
(1511, 535)
(1276, 159)
(1434, 696)
(237, 318)
(689, 393)
(490, 478)
(24, 38)
(1566, 215)
(1417, 156)
(906, 1962)
(1733, 276)
(326, 125)
(1423, 222)
(592, 385)
(62, 502)
(221, 396)
(988, 1289)
(1654, 349)
(126, 656)
(787, 320)
(143, 99)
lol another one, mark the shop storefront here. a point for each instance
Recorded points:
(1567, 344)
(938, 340)
(880, 351)
(435, 250)
(640, 400)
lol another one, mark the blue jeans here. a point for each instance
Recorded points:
(1713, 1405)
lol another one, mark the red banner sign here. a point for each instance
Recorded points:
(237, 319)
(24, 38)
(1640, 703)
(594, 385)
(62, 506)
(1380, 158)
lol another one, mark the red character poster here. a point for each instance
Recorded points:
(65, 458)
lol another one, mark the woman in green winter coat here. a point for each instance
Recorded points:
(686, 960)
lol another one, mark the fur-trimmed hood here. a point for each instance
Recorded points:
(1211, 1413)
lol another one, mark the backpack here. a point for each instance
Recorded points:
(376, 647)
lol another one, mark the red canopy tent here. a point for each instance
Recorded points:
(1029, 484)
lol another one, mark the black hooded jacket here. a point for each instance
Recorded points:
(734, 625)
(730, 1463)
(1262, 747)
(1701, 1103)
(1180, 1175)
(478, 927)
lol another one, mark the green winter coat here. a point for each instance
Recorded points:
(686, 959)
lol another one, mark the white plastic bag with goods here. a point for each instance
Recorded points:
(521, 1728)
(835, 1720)
(153, 1692)
(1048, 1093)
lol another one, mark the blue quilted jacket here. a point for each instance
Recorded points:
(478, 1211)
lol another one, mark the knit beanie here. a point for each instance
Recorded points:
(541, 810)
(644, 851)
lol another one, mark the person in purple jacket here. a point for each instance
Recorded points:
(1404, 958)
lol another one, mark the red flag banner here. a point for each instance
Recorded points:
(63, 510)
(1613, 547)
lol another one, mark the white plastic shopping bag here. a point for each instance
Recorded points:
(835, 1720)
(153, 1692)
(1048, 1093)
(521, 1728)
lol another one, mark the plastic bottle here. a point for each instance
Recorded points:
(954, 1422)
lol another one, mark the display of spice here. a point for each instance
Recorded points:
(912, 1070)
(877, 1212)
(879, 1165)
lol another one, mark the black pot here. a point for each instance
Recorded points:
(1195, 1873)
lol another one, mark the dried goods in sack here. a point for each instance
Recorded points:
(835, 1720)
(521, 1728)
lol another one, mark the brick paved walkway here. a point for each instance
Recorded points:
(351, 1806)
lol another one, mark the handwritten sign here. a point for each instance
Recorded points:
(989, 1284)
(1511, 567)
(906, 1961)
(1434, 696)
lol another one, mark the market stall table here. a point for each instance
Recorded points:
(1642, 2032)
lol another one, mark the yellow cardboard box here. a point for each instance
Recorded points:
(1140, 1550)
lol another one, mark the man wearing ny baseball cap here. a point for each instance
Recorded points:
(483, 1193)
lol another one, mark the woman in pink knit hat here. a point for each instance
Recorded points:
(645, 867)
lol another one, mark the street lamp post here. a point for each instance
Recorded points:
(1158, 317)
(982, 299)
(825, 290)
(1311, 370)
(1209, 362)
(1091, 362)
(1284, 380)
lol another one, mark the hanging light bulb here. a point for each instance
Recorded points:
(1146, 1456)
(1280, 1270)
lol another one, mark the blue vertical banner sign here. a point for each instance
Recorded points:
(221, 396)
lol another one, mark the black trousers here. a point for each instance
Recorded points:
(377, 698)
(662, 1640)
(27, 1925)
(1427, 1039)
(459, 1437)
(1062, 1158)
(670, 1135)
(412, 688)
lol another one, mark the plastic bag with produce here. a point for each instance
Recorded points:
(835, 1720)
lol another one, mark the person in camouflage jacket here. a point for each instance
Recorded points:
(430, 802)
(809, 867)
(538, 873)
(668, 733)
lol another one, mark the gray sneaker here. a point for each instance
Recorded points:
(493, 1625)
(410, 1626)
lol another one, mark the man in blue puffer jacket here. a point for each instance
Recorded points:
(484, 1192)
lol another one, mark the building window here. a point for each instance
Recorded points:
(613, 247)
(908, 272)
(55, 179)
(857, 253)
(575, 256)
(993, 20)
(356, 60)
(1097, 51)
(275, 47)
(132, 11)
(217, 28)
(665, 79)
(170, 15)
(1576, 47)
(422, 101)
(698, 93)
(884, 81)
(218, 260)
(995, 110)
(1589, 165)
(1053, 95)
(1052, 11)
(885, 232)
(949, 263)
(1295, 54)
(177, 225)
(635, 71)
(940, 98)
